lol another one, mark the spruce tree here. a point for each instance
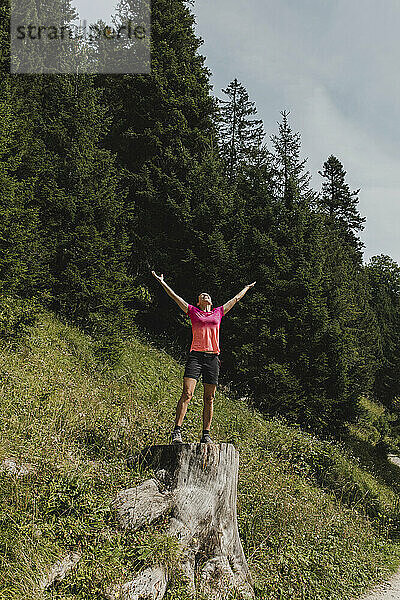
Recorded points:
(339, 203)
(163, 132)
(352, 332)
(289, 167)
(240, 137)
(85, 214)
(78, 196)
(302, 346)
(384, 284)
(23, 269)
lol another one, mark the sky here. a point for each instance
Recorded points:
(91, 11)
(334, 65)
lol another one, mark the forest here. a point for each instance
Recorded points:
(107, 177)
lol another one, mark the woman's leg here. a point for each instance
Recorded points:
(189, 385)
(211, 368)
(209, 395)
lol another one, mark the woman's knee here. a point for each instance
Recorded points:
(187, 394)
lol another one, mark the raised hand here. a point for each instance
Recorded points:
(250, 285)
(180, 302)
(158, 277)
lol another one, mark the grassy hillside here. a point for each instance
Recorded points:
(316, 521)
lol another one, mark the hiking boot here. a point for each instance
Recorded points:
(176, 437)
(206, 439)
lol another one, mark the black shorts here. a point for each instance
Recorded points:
(203, 363)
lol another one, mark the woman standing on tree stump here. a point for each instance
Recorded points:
(203, 355)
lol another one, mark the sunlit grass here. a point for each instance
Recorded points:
(315, 523)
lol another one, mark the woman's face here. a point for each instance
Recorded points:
(204, 299)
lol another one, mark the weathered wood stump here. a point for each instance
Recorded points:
(198, 484)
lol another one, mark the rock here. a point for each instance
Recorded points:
(11, 467)
(59, 570)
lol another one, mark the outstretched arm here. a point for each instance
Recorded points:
(232, 302)
(180, 302)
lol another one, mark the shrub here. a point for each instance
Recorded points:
(17, 316)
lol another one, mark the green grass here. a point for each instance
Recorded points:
(318, 520)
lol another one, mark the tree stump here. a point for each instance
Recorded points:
(197, 483)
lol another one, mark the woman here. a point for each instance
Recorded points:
(203, 355)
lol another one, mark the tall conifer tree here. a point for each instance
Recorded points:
(339, 203)
(289, 167)
(384, 283)
(165, 137)
(240, 136)
(23, 269)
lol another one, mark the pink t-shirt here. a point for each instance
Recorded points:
(205, 328)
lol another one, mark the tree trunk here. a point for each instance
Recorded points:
(198, 482)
